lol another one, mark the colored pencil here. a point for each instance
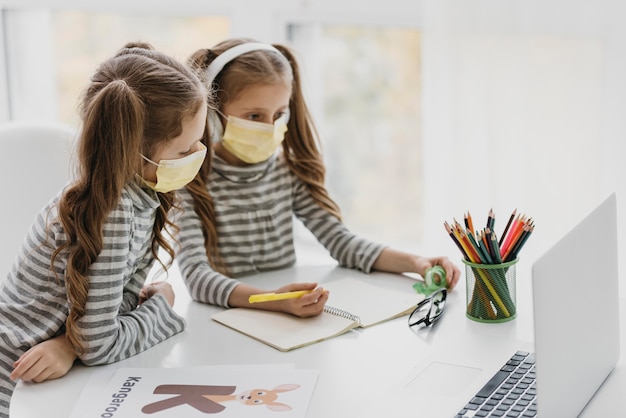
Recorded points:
(495, 248)
(514, 231)
(520, 243)
(469, 224)
(456, 241)
(515, 234)
(491, 219)
(506, 228)
(491, 297)
(485, 242)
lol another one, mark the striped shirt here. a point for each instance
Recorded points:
(254, 207)
(33, 299)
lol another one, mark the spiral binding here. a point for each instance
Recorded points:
(340, 312)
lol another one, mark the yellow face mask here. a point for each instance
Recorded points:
(253, 142)
(175, 174)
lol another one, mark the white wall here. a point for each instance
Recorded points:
(523, 102)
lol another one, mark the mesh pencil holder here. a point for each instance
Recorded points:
(490, 293)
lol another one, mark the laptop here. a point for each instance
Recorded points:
(576, 324)
(576, 330)
(582, 326)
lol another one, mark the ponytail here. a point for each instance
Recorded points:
(85, 206)
(136, 101)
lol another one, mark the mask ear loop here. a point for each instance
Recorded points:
(141, 176)
(149, 160)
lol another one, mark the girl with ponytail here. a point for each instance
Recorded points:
(77, 288)
(267, 168)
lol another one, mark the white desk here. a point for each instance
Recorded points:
(361, 373)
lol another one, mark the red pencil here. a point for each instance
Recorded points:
(515, 249)
(475, 258)
(516, 232)
(513, 230)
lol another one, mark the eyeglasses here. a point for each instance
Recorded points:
(429, 310)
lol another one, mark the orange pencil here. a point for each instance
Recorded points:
(515, 234)
(475, 258)
(518, 244)
(483, 237)
(469, 225)
(519, 236)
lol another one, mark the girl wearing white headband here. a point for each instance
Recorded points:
(267, 167)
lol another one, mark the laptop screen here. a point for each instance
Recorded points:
(576, 313)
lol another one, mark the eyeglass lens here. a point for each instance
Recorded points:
(428, 310)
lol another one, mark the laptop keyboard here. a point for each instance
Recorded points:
(511, 392)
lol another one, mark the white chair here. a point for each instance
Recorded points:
(35, 164)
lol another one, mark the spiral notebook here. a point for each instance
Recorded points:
(352, 304)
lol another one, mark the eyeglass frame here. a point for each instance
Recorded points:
(439, 305)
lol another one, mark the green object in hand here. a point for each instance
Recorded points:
(430, 283)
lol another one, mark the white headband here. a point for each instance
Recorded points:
(227, 56)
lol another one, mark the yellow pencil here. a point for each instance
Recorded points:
(267, 297)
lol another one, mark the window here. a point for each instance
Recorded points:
(369, 119)
(363, 82)
(54, 53)
(82, 40)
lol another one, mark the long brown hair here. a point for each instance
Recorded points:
(301, 147)
(135, 102)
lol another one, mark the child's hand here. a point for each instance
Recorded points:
(47, 360)
(452, 272)
(311, 304)
(163, 288)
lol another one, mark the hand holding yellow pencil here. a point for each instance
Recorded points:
(268, 297)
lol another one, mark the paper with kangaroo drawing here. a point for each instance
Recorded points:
(221, 391)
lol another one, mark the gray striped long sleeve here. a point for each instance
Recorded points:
(255, 206)
(33, 298)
